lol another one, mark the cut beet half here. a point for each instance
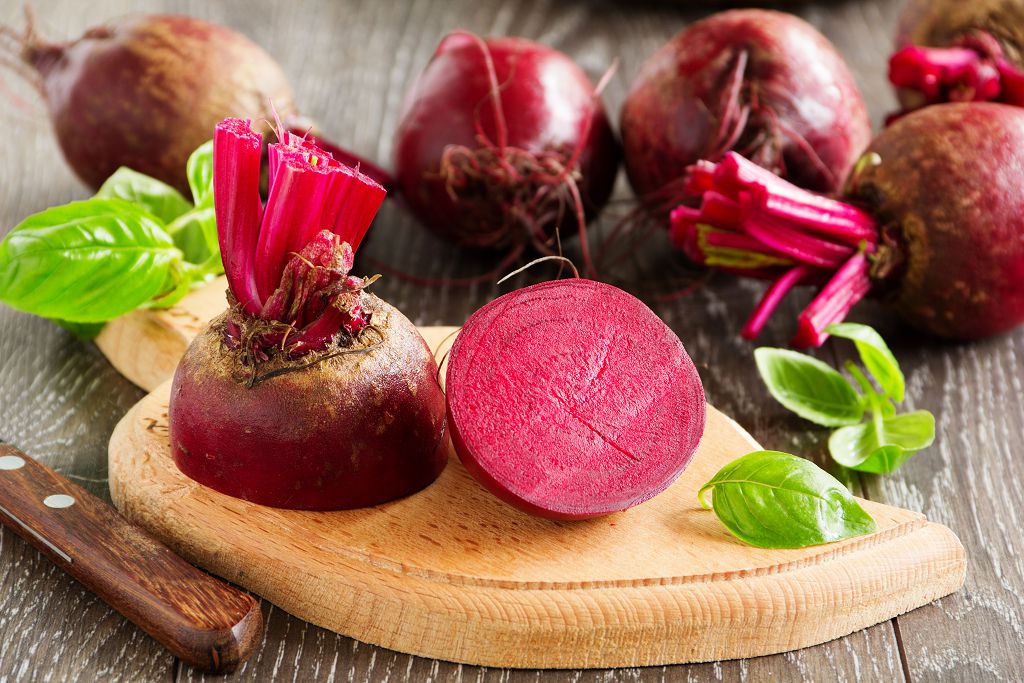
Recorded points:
(572, 399)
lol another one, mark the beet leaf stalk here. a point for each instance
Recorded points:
(973, 70)
(287, 262)
(751, 222)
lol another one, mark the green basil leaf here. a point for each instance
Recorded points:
(160, 199)
(883, 444)
(875, 355)
(200, 174)
(87, 261)
(195, 233)
(777, 500)
(809, 388)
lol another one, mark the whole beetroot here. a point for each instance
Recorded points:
(500, 141)
(764, 84)
(144, 91)
(948, 196)
(932, 222)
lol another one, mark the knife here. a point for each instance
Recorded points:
(202, 620)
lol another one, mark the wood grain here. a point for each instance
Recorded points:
(454, 573)
(350, 63)
(203, 621)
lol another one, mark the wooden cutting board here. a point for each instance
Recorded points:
(454, 573)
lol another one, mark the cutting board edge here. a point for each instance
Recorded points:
(700, 621)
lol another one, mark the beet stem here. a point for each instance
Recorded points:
(753, 223)
(973, 70)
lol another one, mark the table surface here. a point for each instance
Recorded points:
(350, 64)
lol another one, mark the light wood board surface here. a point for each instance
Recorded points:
(349, 63)
(453, 573)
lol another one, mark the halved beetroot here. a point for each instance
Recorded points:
(571, 399)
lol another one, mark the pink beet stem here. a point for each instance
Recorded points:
(849, 285)
(772, 298)
(236, 179)
(754, 223)
(288, 263)
(973, 70)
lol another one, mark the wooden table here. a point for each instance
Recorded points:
(350, 64)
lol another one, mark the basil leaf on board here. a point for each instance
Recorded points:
(776, 500)
(160, 199)
(87, 261)
(875, 355)
(809, 388)
(200, 174)
(881, 445)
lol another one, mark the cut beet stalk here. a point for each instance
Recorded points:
(753, 223)
(572, 399)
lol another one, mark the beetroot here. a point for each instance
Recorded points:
(145, 91)
(500, 141)
(932, 223)
(571, 399)
(954, 51)
(765, 84)
(308, 392)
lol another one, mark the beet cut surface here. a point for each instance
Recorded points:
(571, 399)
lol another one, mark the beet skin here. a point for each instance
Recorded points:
(571, 399)
(349, 431)
(764, 84)
(145, 91)
(948, 195)
(549, 111)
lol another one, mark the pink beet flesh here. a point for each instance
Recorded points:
(572, 399)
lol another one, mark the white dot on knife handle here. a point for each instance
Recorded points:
(58, 500)
(11, 462)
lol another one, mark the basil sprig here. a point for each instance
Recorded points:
(777, 500)
(820, 394)
(137, 243)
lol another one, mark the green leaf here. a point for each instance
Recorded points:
(160, 199)
(875, 355)
(200, 174)
(777, 500)
(883, 444)
(195, 233)
(87, 261)
(809, 388)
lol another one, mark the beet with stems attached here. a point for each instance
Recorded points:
(955, 51)
(571, 399)
(308, 393)
(764, 84)
(501, 141)
(932, 222)
(145, 91)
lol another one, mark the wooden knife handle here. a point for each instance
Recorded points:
(200, 619)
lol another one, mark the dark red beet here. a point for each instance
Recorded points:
(145, 91)
(764, 84)
(506, 176)
(956, 51)
(932, 223)
(949, 197)
(308, 393)
(571, 399)
(353, 430)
